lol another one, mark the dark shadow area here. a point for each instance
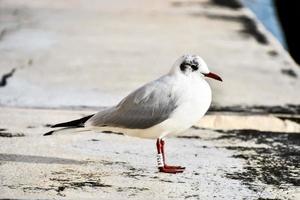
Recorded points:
(38, 159)
(232, 4)
(289, 15)
(289, 72)
(249, 26)
(284, 109)
(5, 133)
(111, 132)
(276, 163)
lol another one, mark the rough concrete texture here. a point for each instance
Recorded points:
(220, 165)
(68, 57)
(109, 48)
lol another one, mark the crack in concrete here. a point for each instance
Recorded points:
(3, 33)
(289, 72)
(5, 77)
(6, 31)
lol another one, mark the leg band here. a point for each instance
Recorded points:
(160, 162)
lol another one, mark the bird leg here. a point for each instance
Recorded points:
(162, 142)
(162, 166)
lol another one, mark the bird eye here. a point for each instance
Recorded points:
(194, 67)
(182, 66)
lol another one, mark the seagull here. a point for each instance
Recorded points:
(166, 106)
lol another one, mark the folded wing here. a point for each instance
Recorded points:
(144, 108)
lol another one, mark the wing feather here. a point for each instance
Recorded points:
(144, 108)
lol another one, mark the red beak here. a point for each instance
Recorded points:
(213, 75)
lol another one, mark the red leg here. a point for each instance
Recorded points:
(162, 166)
(162, 142)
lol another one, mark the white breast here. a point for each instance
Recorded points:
(194, 98)
(194, 103)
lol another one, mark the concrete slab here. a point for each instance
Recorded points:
(74, 54)
(79, 54)
(220, 165)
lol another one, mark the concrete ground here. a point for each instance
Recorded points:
(60, 60)
(239, 164)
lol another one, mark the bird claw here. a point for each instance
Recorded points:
(174, 167)
(171, 169)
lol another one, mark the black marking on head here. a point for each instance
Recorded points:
(194, 67)
(183, 66)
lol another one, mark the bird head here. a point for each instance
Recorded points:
(192, 64)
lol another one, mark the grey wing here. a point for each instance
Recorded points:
(142, 109)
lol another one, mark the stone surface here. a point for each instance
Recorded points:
(92, 54)
(59, 60)
(220, 164)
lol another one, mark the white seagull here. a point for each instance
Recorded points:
(168, 105)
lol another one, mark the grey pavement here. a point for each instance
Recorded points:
(61, 60)
(92, 54)
(219, 165)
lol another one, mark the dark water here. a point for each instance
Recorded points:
(279, 17)
(265, 11)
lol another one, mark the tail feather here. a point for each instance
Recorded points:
(74, 123)
(66, 130)
(48, 133)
